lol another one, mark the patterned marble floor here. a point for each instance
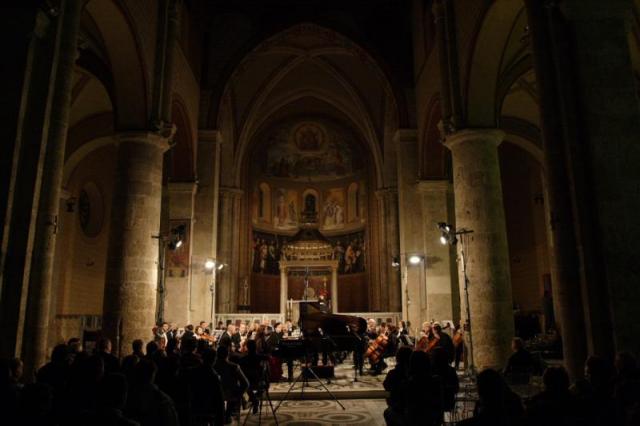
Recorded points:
(323, 412)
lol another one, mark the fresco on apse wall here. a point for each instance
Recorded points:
(309, 152)
(177, 261)
(285, 209)
(348, 249)
(333, 211)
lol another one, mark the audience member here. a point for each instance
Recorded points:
(111, 362)
(520, 365)
(234, 382)
(395, 384)
(497, 404)
(147, 404)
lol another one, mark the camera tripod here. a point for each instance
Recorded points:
(262, 394)
(306, 373)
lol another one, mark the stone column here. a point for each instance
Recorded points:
(605, 156)
(389, 247)
(228, 252)
(441, 292)
(283, 291)
(410, 226)
(334, 289)
(132, 269)
(479, 207)
(564, 257)
(205, 226)
(178, 291)
(41, 276)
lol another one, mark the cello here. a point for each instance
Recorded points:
(377, 348)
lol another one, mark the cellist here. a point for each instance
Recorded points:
(428, 339)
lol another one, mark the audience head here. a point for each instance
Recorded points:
(556, 380)
(188, 345)
(136, 345)
(491, 388)
(440, 358)
(517, 344)
(104, 345)
(597, 370)
(419, 365)
(152, 347)
(60, 354)
(75, 345)
(403, 355)
(223, 353)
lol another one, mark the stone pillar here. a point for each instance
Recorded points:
(205, 224)
(28, 76)
(283, 291)
(132, 269)
(411, 227)
(387, 199)
(41, 276)
(479, 207)
(441, 292)
(178, 291)
(564, 257)
(228, 252)
(334, 289)
(606, 154)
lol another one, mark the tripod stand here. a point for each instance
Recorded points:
(306, 373)
(262, 394)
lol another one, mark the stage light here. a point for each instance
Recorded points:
(178, 243)
(220, 266)
(414, 259)
(210, 264)
(443, 240)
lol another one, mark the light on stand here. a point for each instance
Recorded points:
(443, 239)
(414, 259)
(220, 266)
(210, 264)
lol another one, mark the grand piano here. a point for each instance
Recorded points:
(324, 332)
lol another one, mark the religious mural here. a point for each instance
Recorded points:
(308, 152)
(286, 209)
(348, 249)
(333, 209)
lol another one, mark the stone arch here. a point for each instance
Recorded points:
(127, 63)
(495, 30)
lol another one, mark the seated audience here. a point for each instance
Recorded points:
(497, 405)
(395, 384)
(520, 365)
(448, 377)
(555, 405)
(234, 382)
(111, 362)
(253, 366)
(423, 398)
(206, 397)
(147, 404)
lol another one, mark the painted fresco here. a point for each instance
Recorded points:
(333, 211)
(308, 152)
(285, 209)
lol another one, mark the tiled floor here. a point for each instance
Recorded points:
(323, 412)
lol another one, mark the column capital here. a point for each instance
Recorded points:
(494, 136)
(405, 136)
(160, 140)
(212, 136)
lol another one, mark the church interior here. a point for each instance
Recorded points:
(414, 172)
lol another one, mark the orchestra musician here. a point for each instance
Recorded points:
(377, 346)
(428, 339)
